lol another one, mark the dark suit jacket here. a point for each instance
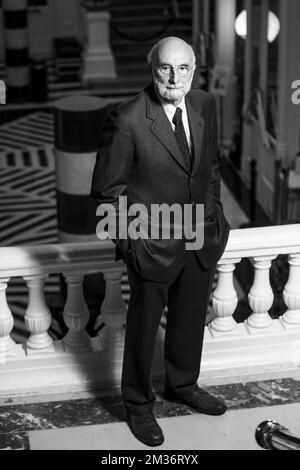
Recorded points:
(139, 157)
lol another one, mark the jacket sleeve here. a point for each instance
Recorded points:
(111, 173)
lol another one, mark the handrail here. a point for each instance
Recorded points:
(259, 241)
(273, 436)
(51, 258)
(260, 341)
(98, 255)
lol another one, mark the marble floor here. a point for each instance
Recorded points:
(189, 432)
(90, 421)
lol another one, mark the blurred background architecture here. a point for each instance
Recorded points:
(63, 65)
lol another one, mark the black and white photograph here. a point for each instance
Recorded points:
(149, 228)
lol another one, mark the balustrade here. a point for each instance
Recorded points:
(259, 342)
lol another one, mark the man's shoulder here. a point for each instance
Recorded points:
(128, 113)
(131, 105)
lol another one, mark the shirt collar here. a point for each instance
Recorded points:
(170, 108)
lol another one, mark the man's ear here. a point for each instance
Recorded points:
(194, 68)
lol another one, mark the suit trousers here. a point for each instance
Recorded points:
(187, 296)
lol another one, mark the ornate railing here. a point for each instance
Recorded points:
(231, 350)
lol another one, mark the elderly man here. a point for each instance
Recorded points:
(160, 147)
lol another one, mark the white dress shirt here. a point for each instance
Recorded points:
(170, 111)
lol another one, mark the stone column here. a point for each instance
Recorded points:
(77, 125)
(78, 121)
(16, 50)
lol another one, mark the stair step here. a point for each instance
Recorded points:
(156, 18)
(118, 85)
(135, 8)
(119, 44)
(144, 30)
(127, 72)
(139, 61)
(143, 22)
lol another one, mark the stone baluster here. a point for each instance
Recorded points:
(291, 294)
(76, 315)
(113, 309)
(37, 316)
(261, 296)
(6, 321)
(224, 300)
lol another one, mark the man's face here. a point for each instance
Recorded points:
(172, 71)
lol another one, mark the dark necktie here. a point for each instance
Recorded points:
(181, 137)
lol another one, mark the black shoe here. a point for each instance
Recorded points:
(200, 400)
(145, 428)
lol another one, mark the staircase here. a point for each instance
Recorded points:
(136, 25)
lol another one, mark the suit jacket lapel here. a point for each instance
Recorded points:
(161, 127)
(196, 123)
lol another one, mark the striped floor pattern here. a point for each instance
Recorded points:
(33, 131)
